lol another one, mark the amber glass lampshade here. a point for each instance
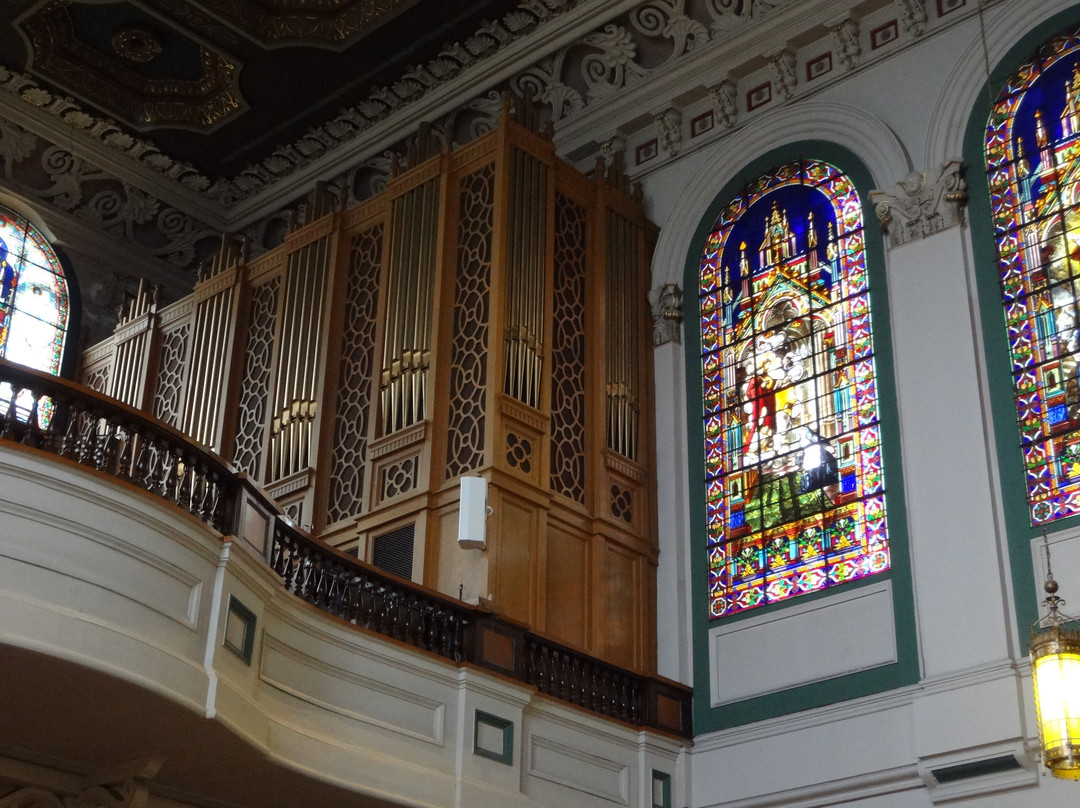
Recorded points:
(1055, 664)
(1055, 669)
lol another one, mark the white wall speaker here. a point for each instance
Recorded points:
(472, 513)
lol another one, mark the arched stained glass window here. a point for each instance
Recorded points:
(1032, 149)
(795, 495)
(33, 297)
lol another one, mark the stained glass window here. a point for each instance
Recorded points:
(795, 495)
(1032, 145)
(33, 297)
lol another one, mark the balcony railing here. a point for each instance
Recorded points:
(53, 415)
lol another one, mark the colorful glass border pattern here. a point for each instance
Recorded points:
(34, 303)
(1031, 149)
(795, 490)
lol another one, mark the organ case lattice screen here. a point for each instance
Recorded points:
(484, 315)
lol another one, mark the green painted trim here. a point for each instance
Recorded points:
(995, 340)
(505, 726)
(905, 670)
(664, 780)
(247, 620)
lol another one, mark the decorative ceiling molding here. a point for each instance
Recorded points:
(102, 131)
(83, 192)
(333, 23)
(591, 65)
(148, 83)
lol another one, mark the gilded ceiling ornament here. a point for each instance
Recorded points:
(113, 80)
(312, 22)
(136, 43)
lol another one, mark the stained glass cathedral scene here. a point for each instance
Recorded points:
(793, 452)
(654, 404)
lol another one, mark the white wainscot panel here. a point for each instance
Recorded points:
(577, 769)
(368, 700)
(849, 631)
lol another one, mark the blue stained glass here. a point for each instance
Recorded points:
(1032, 146)
(33, 307)
(788, 377)
(33, 297)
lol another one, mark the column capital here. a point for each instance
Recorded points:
(923, 203)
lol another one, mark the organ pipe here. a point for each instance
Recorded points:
(440, 267)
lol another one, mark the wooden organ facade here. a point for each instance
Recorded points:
(486, 314)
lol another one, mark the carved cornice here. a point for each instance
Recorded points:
(332, 22)
(103, 131)
(578, 80)
(922, 204)
(80, 190)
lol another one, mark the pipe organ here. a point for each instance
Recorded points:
(484, 315)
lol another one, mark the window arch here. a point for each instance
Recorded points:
(795, 494)
(34, 299)
(1032, 152)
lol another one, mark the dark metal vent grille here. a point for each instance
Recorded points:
(393, 551)
(962, 771)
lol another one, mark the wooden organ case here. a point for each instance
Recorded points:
(486, 314)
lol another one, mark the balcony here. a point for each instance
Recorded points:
(161, 605)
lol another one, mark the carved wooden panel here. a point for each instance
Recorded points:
(353, 410)
(255, 385)
(519, 452)
(399, 476)
(172, 374)
(622, 504)
(568, 352)
(98, 379)
(469, 350)
(620, 604)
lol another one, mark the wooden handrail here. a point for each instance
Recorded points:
(56, 416)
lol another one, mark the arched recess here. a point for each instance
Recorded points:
(812, 329)
(1024, 519)
(872, 142)
(38, 299)
(876, 147)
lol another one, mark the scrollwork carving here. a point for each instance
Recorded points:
(668, 19)
(31, 798)
(607, 71)
(923, 203)
(77, 188)
(542, 83)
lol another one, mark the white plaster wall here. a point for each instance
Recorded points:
(102, 575)
(903, 112)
